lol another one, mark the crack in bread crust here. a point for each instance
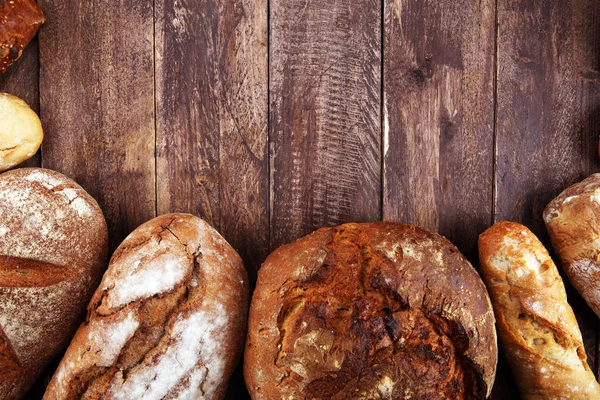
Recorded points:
(166, 320)
(345, 333)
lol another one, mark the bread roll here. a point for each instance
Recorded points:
(20, 131)
(167, 322)
(370, 311)
(19, 22)
(573, 222)
(536, 326)
(53, 251)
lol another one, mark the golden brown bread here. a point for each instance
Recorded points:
(370, 311)
(536, 326)
(573, 222)
(168, 320)
(53, 250)
(21, 131)
(19, 22)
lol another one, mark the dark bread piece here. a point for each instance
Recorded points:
(53, 251)
(19, 22)
(370, 311)
(168, 320)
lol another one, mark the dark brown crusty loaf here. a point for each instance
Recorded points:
(53, 251)
(19, 22)
(536, 326)
(573, 222)
(167, 322)
(370, 311)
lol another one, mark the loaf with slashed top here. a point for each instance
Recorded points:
(53, 251)
(536, 326)
(167, 322)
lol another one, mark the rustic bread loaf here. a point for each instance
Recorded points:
(167, 322)
(20, 131)
(537, 328)
(53, 250)
(19, 22)
(573, 222)
(370, 311)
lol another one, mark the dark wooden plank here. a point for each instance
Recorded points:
(211, 75)
(21, 80)
(439, 115)
(548, 104)
(97, 104)
(325, 136)
(439, 60)
(212, 82)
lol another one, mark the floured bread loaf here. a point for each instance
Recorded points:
(53, 251)
(573, 222)
(536, 326)
(370, 311)
(167, 322)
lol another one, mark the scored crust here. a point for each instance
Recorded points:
(53, 250)
(167, 321)
(369, 311)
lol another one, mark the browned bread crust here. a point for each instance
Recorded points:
(573, 222)
(53, 250)
(19, 22)
(536, 326)
(168, 320)
(370, 311)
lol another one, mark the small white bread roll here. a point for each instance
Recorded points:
(20, 131)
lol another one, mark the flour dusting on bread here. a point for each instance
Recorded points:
(166, 322)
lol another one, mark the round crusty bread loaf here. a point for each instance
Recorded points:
(370, 311)
(167, 322)
(53, 250)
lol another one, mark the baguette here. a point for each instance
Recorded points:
(536, 326)
(573, 223)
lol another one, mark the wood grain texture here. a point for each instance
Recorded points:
(97, 104)
(438, 116)
(548, 106)
(211, 74)
(325, 133)
(21, 80)
(211, 109)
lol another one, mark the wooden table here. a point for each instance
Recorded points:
(271, 120)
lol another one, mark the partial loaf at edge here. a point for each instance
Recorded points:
(53, 251)
(573, 222)
(168, 320)
(536, 326)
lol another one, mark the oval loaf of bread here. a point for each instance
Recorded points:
(167, 322)
(370, 311)
(536, 326)
(573, 222)
(53, 251)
